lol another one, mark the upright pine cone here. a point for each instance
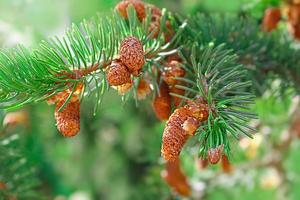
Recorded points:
(176, 179)
(132, 54)
(117, 74)
(138, 5)
(271, 18)
(215, 154)
(162, 103)
(182, 124)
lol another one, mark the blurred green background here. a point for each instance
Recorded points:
(116, 155)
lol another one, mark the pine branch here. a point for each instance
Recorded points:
(263, 53)
(17, 174)
(223, 83)
(28, 76)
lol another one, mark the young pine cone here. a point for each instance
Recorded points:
(171, 71)
(215, 154)
(143, 89)
(181, 125)
(68, 120)
(138, 5)
(271, 19)
(162, 103)
(176, 179)
(117, 74)
(174, 136)
(132, 54)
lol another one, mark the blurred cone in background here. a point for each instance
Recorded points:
(271, 18)
(175, 178)
(293, 15)
(225, 165)
(13, 119)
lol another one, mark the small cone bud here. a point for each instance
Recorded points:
(215, 154)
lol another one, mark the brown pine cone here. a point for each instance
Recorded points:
(162, 103)
(174, 136)
(139, 7)
(68, 120)
(180, 127)
(271, 19)
(132, 54)
(171, 71)
(215, 154)
(176, 179)
(117, 74)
